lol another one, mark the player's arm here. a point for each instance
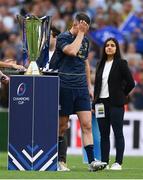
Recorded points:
(73, 48)
(87, 69)
(10, 65)
(6, 65)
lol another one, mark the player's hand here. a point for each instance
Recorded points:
(93, 106)
(93, 109)
(15, 66)
(83, 27)
(4, 79)
(90, 92)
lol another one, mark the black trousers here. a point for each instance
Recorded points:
(113, 117)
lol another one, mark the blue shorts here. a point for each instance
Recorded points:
(74, 100)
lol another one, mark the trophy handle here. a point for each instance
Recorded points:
(48, 25)
(45, 29)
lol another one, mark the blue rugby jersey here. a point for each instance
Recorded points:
(71, 68)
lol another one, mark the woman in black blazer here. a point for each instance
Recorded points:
(113, 82)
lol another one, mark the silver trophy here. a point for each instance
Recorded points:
(35, 33)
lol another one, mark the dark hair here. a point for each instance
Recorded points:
(84, 17)
(55, 31)
(117, 55)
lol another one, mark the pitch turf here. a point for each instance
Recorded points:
(132, 169)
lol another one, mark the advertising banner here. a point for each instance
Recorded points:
(133, 125)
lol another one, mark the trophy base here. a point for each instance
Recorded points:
(32, 69)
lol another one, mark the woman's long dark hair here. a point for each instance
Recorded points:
(117, 55)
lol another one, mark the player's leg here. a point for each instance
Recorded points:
(85, 121)
(62, 143)
(66, 108)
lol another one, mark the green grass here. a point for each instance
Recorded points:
(132, 169)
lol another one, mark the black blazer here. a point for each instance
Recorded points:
(120, 82)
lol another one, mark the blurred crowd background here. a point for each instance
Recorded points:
(122, 19)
